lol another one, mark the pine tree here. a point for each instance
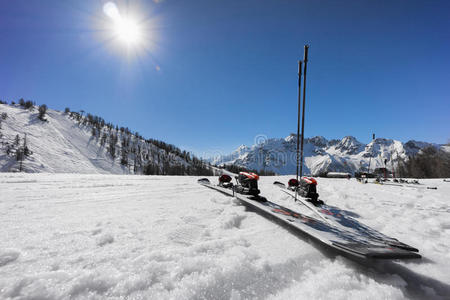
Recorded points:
(103, 139)
(42, 111)
(26, 150)
(28, 104)
(112, 145)
(124, 157)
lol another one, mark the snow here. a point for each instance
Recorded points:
(154, 237)
(58, 145)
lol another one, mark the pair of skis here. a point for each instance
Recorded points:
(333, 228)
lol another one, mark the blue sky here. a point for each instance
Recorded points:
(215, 74)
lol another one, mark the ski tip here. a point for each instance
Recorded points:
(203, 181)
(279, 184)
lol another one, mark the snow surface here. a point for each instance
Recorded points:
(155, 237)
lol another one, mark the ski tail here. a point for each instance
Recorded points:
(204, 181)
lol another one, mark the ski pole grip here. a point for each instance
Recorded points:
(305, 55)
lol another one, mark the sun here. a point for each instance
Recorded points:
(125, 28)
(128, 31)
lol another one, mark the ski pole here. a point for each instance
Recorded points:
(305, 59)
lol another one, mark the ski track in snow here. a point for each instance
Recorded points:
(155, 237)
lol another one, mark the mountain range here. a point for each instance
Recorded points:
(321, 155)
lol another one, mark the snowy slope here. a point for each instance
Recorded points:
(58, 146)
(63, 145)
(154, 237)
(322, 156)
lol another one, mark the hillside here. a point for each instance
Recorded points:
(322, 155)
(68, 142)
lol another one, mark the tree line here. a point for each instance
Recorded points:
(430, 162)
(236, 169)
(137, 154)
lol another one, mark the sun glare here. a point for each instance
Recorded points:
(125, 28)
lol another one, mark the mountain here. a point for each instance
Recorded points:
(68, 142)
(322, 156)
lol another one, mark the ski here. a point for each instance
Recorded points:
(342, 220)
(406, 185)
(345, 242)
(303, 201)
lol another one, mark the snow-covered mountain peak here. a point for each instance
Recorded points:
(416, 145)
(242, 149)
(333, 142)
(349, 141)
(318, 141)
(292, 138)
(349, 145)
(412, 147)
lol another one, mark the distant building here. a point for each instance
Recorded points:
(364, 175)
(382, 172)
